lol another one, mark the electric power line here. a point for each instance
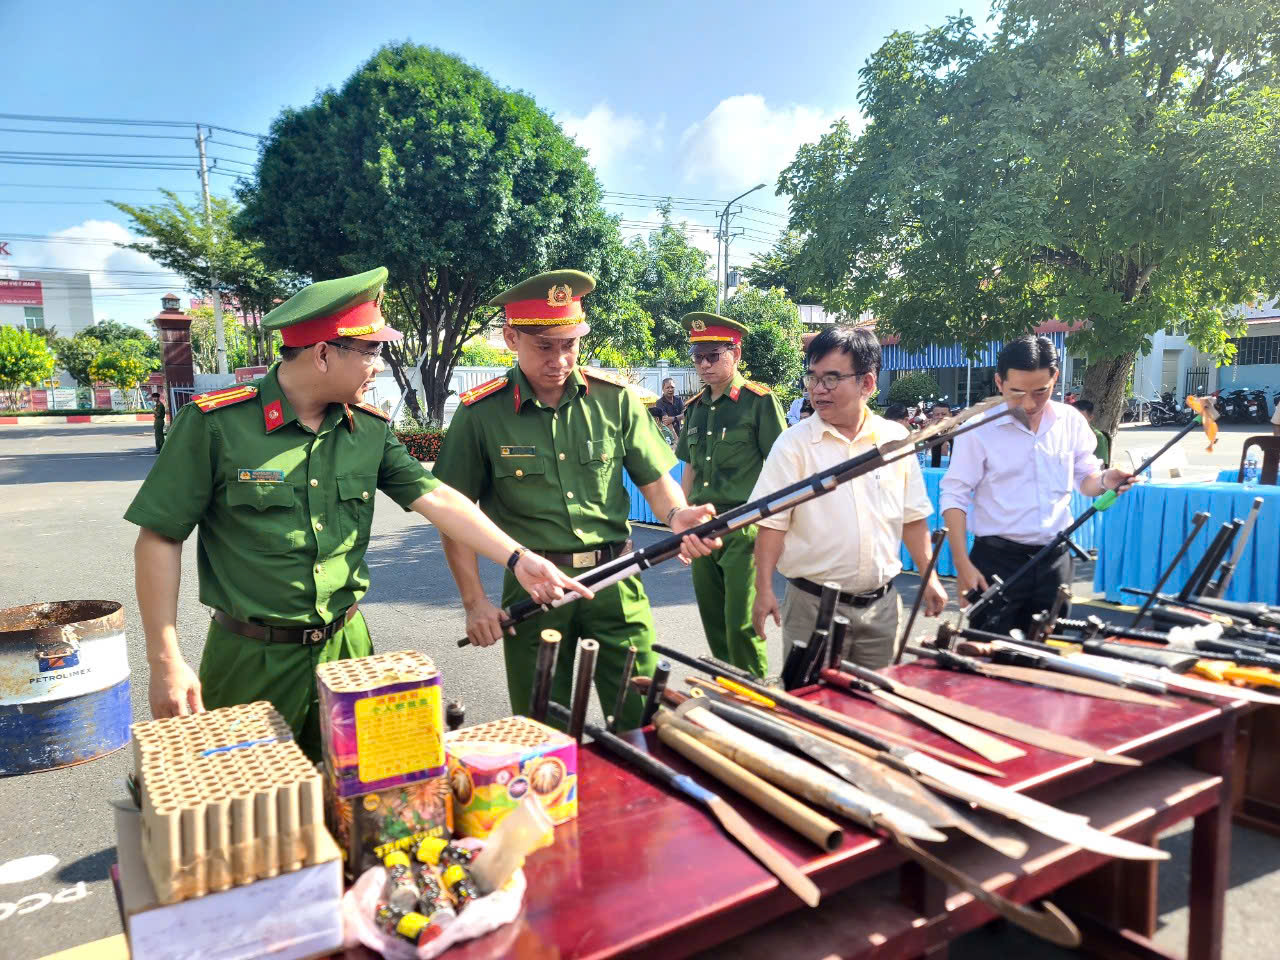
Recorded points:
(42, 118)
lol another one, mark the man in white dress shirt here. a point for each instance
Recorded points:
(852, 536)
(1010, 485)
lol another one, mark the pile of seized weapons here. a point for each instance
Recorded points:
(791, 756)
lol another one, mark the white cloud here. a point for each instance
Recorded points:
(609, 137)
(744, 141)
(126, 284)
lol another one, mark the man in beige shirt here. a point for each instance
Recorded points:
(852, 535)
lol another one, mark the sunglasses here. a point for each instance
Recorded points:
(709, 357)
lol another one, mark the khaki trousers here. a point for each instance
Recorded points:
(873, 630)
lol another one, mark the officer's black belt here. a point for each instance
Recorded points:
(847, 599)
(1013, 547)
(588, 558)
(306, 636)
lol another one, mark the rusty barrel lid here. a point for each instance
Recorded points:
(43, 622)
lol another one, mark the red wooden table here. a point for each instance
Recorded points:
(641, 871)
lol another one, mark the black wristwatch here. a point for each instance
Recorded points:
(516, 554)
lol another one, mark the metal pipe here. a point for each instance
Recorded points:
(839, 630)
(1233, 528)
(543, 670)
(935, 544)
(628, 667)
(1229, 568)
(656, 687)
(1206, 558)
(588, 650)
(1197, 523)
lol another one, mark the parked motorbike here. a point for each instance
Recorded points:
(1258, 406)
(1163, 410)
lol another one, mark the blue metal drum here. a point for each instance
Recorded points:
(64, 684)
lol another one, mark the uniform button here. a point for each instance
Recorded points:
(604, 456)
(317, 568)
(319, 525)
(569, 494)
(519, 473)
(578, 532)
(315, 482)
(708, 458)
(364, 494)
(562, 456)
(706, 483)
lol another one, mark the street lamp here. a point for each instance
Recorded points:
(723, 239)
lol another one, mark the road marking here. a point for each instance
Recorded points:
(27, 868)
(60, 457)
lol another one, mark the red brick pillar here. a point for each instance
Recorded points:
(174, 327)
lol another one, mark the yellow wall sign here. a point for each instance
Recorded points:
(399, 733)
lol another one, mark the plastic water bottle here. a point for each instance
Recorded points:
(1251, 470)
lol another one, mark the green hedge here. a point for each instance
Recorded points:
(79, 412)
(910, 387)
(422, 444)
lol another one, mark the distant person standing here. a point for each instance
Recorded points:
(796, 412)
(670, 408)
(1103, 450)
(158, 408)
(898, 413)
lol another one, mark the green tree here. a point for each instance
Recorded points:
(241, 347)
(113, 332)
(771, 351)
(1101, 161)
(911, 387)
(620, 327)
(25, 360)
(76, 354)
(180, 238)
(124, 364)
(478, 353)
(673, 279)
(423, 164)
(778, 268)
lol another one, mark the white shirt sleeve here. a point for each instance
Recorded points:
(1275, 417)
(1083, 443)
(782, 468)
(963, 474)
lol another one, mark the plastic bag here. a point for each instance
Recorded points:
(483, 915)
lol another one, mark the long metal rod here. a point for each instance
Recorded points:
(936, 543)
(543, 670)
(839, 631)
(628, 667)
(1198, 572)
(1197, 523)
(588, 650)
(1233, 528)
(789, 497)
(657, 685)
(1103, 502)
(1229, 569)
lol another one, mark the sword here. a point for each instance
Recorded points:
(802, 491)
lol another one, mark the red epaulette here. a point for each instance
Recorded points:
(216, 399)
(595, 373)
(372, 411)
(483, 390)
(757, 388)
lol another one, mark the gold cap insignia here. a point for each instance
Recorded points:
(560, 295)
(698, 325)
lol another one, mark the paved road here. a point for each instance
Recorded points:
(62, 492)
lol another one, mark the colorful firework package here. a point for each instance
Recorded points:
(494, 766)
(367, 828)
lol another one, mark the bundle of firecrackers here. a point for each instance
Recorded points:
(424, 894)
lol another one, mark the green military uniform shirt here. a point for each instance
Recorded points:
(551, 477)
(726, 440)
(283, 512)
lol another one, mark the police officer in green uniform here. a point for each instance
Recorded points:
(542, 449)
(159, 412)
(280, 478)
(729, 428)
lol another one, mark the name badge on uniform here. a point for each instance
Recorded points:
(244, 475)
(518, 451)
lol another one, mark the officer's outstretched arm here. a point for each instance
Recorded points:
(173, 687)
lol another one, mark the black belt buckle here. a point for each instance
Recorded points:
(314, 637)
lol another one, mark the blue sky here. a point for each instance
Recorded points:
(672, 99)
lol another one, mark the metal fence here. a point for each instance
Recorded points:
(1198, 381)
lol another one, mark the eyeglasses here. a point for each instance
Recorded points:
(710, 357)
(829, 381)
(369, 355)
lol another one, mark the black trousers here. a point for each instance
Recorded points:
(1034, 593)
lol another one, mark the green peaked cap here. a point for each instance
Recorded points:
(699, 322)
(326, 298)
(539, 287)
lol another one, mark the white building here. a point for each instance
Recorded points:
(45, 299)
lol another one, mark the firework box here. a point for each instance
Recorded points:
(381, 721)
(493, 766)
(370, 826)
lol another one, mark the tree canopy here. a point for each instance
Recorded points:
(422, 164)
(25, 361)
(1104, 162)
(771, 351)
(673, 280)
(124, 364)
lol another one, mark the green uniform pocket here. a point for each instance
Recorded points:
(599, 465)
(355, 507)
(735, 449)
(267, 510)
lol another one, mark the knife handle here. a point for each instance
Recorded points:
(866, 676)
(945, 658)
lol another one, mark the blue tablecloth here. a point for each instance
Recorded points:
(1086, 536)
(1143, 531)
(1227, 476)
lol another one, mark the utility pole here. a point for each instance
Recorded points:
(722, 237)
(219, 333)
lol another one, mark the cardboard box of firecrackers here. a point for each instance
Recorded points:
(381, 721)
(369, 827)
(493, 766)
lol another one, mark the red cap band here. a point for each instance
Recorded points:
(713, 334)
(355, 321)
(543, 312)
